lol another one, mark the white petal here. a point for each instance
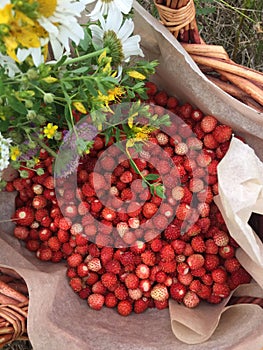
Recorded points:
(114, 20)
(131, 46)
(56, 47)
(37, 56)
(94, 15)
(22, 54)
(124, 5)
(126, 29)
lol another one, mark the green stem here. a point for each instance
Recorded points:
(84, 57)
(235, 9)
(43, 145)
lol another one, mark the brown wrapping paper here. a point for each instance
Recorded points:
(58, 319)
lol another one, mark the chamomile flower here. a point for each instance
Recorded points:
(103, 7)
(59, 19)
(117, 36)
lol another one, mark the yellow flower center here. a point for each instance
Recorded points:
(47, 7)
(15, 153)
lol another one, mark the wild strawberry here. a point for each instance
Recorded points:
(21, 232)
(182, 211)
(207, 279)
(221, 289)
(168, 266)
(221, 238)
(82, 270)
(46, 221)
(121, 292)
(32, 245)
(167, 253)
(142, 271)
(140, 305)
(135, 294)
(149, 209)
(87, 190)
(177, 291)
(94, 264)
(96, 301)
(124, 307)
(198, 244)
(110, 300)
(195, 286)
(191, 299)
(40, 214)
(219, 275)
(126, 177)
(178, 193)
(24, 216)
(49, 182)
(162, 138)
(208, 123)
(211, 247)
(126, 258)
(131, 281)
(211, 262)
(84, 293)
(97, 181)
(91, 278)
(195, 261)
(109, 280)
(159, 292)
(204, 292)
(193, 231)
(210, 142)
(178, 246)
(222, 133)
(240, 276)
(172, 232)
(160, 222)
(183, 268)
(44, 234)
(107, 163)
(63, 236)
(151, 88)
(196, 185)
(64, 223)
(161, 98)
(76, 284)
(127, 194)
(108, 214)
(161, 305)
(113, 266)
(74, 260)
(99, 288)
(181, 149)
(227, 251)
(44, 254)
(148, 258)
(199, 272)
(203, 209)
(54, 244)
(232, 264)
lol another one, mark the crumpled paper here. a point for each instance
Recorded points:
(58, 319)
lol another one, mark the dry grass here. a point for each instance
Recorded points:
(237, 25)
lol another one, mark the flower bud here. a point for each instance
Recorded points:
(48, 98)
(31, 114)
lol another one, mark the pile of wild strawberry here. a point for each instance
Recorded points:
(177, 247)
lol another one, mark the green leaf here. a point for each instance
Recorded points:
(133, 165)
(17, 105)
(152, 177)
(160, 191)
(80, 70)
(145, 185)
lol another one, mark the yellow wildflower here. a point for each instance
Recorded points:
(50, 130)
(80, 107)
(136, 75)
(102, 56)
(14, 153)
(49, 80)
(113, 95)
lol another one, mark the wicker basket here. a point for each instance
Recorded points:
(243, 83)
(13, 307)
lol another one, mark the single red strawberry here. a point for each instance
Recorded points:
(96, 301)
(109, 280)
(21, 232)
(124, 307)
(182, 211)
(222, 133)
(183, 268)
(82, 270)
(84, 293)
(232, 264)
(99, 288)
(44, 234)
(148, 258)
(142, 271)
(64, 223)
(110, 300)
(32, 245)
(108, 214)
(208, 123)
(221, 289)
(131, 281)
(44, 254)
(159, 292)
(151, 88)
(219, 275)
(76, 284)
(54, 244)
(140, 305)
(161, 98)
(191, 299)
(195, 261)
(198, 244)
(113, 266)
(94, 264)
(168, 266)
(227, 251)
(210, 142)
(221, 238)
(211, 261)
(121, 292)
(135, 294)
(167, 253)
(204, 292)
(149, 209)
(74, 260)
(211, 247)
(24, 216)
(178, 291)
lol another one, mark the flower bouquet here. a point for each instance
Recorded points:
(116, 183)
